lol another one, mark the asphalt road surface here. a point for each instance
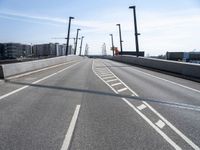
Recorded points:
(98, 104)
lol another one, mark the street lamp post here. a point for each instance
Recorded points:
(136, 32)
(112, 43)
(76, 41)
(120, 36)
(68, 35)
(81, 45)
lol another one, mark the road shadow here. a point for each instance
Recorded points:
(131, 98)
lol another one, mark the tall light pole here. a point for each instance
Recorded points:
(136, 31)
(81, 45)
(120, 37)
(76, 41)
(68, 35)
(112, 43)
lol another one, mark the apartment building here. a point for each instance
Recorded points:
(14, 50)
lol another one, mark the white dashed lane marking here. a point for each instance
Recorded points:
(115, 84)
(111, 80)
(122, 90)
(164, 135)
(70, 131)
(159, 124)
(141, 107)
(108, 77)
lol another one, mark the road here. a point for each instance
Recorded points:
(97, 104)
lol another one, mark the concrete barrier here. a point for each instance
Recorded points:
(8, 70)
(182, 68)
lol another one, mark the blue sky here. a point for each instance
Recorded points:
(164, 25)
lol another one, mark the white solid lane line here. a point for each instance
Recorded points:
(13, 92)
(183, 86)
(39, 70)
(24, 87)
(134, 94)
(160, 124)
(193, 145)
(173, 128)
(70, 131)
(172, 143)
(141, 114)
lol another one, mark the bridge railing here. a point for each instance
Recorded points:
(181, 68)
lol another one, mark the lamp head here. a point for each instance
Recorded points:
(132, 7)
